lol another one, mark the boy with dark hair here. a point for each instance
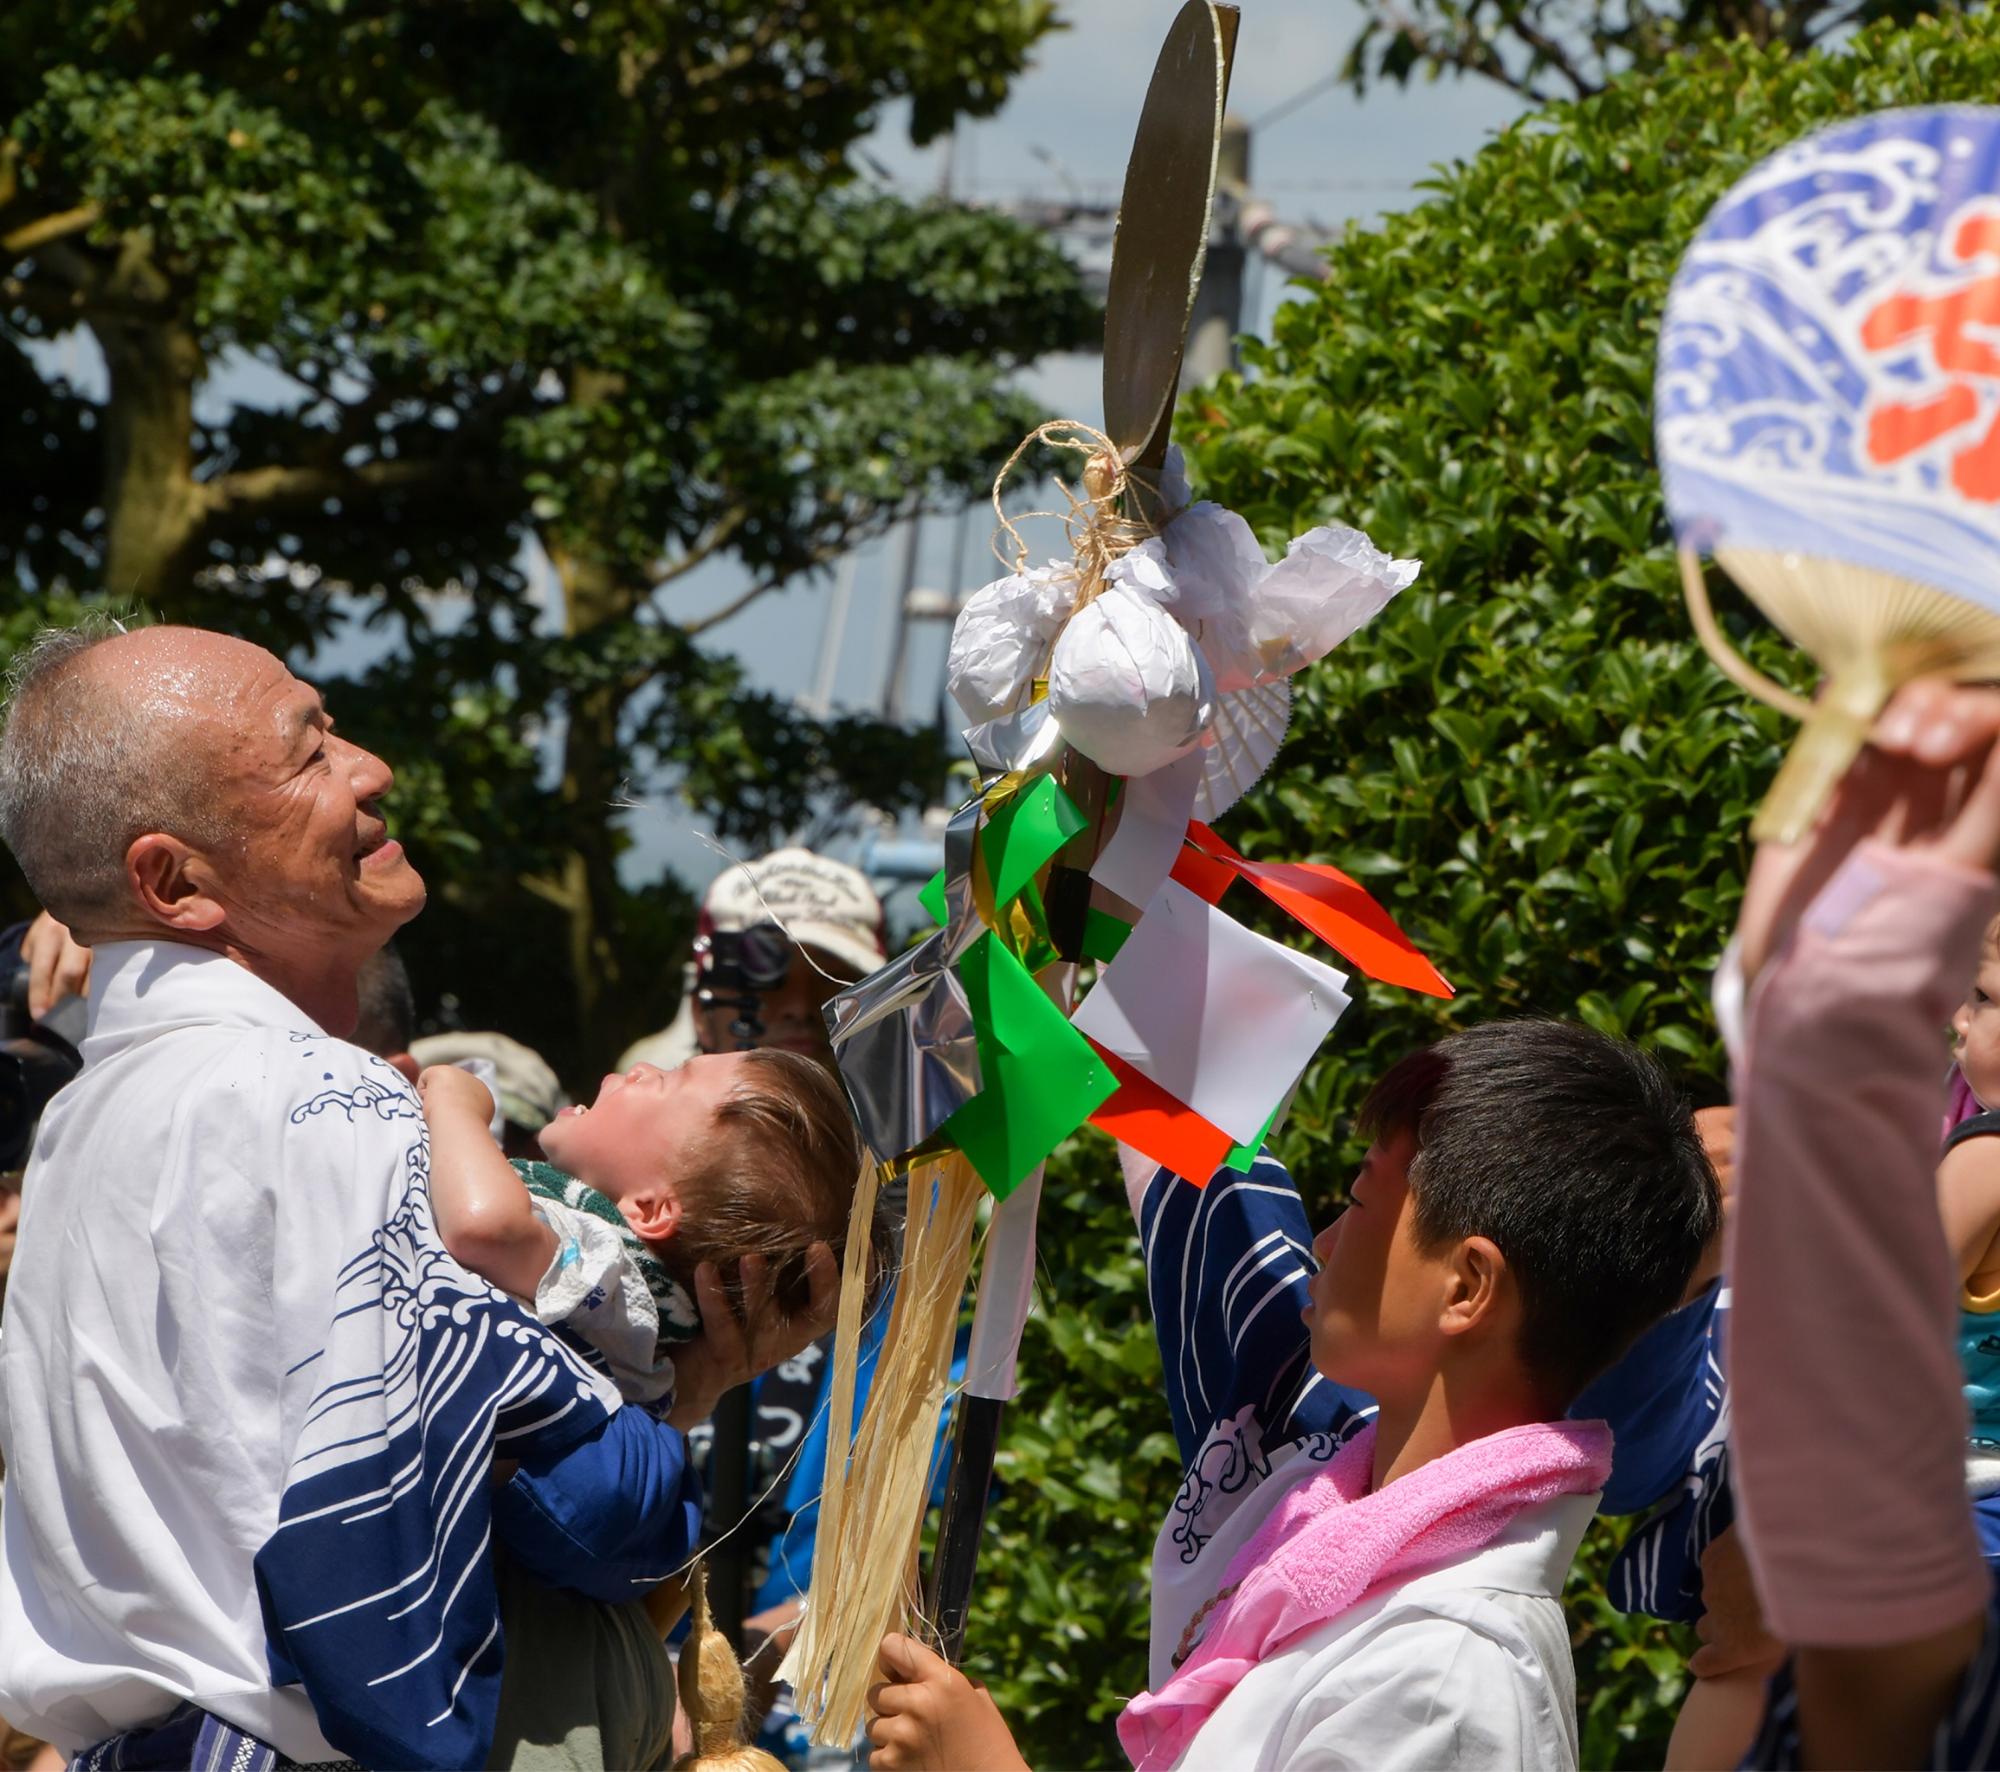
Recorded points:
(1342, 1586)
(1578, 1156)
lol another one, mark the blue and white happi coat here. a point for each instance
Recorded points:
(251, 1408)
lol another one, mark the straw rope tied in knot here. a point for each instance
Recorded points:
(1101, 525)
(1122, 677)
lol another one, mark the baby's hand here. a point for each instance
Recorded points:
(446, 1089)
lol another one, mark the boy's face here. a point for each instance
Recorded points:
(645, 1126)
(1976, 1030)
(1377, 1297)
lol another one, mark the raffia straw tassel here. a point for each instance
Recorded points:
(875, 1494)
(711, 1687)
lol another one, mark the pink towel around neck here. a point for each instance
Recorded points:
(1330, 1542)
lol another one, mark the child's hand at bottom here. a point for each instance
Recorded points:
(928, 1717)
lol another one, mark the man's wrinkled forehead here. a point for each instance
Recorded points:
(243, 694)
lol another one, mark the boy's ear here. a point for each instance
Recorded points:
(1478, 1278)
(654, 1213)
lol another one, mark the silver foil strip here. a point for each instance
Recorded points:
(903, 1036)
(1027, 739)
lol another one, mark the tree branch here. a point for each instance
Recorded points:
(85, 272)
(45, 228)
(774, 95)
(256, 491)
(551, 891)
(735, 606)
(820, 556)
(60, 308)
(703, 546)
(778, 21)
(1470, 54)
(1550, 52)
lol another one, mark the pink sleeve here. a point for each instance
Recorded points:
(1849, 1438)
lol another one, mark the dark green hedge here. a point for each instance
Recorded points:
(1527, 756)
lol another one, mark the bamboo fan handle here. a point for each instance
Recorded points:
(1836, 727)
(1731, 663)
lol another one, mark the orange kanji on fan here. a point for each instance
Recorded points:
(1959, 326)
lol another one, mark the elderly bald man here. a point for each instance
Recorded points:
(249, 1405)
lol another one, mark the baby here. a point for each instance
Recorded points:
(745, 1153)
(1969, 1201)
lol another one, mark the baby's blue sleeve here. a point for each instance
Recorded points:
(612, 1516)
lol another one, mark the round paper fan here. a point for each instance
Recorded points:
(1827, 406)
(1244, 735)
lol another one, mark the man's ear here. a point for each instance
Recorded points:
(654, 1213)
(1478, 1281)
(167, 876)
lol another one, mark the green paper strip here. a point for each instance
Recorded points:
(1042, 1079)
(1038, 950)
(1022, 836)
(932, 899)
(1242, 1156)
(1103, 935)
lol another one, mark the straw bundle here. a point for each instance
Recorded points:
(1870, 632)
(711, 1690)
(872, 1508)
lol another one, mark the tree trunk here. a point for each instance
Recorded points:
(153, 507)
(595, 599)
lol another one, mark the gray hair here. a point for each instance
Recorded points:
(84, 770)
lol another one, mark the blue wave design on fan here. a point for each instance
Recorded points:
(377, 1582)
(1826, 381)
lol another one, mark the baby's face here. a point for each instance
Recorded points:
(1976, 1028)
(644, 1126)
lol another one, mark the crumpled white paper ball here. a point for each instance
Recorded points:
(1255, 622)
(1127, 686)
(1003, 634)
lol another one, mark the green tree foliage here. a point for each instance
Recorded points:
(1549, 49)
(594, 276)
(1526, 756)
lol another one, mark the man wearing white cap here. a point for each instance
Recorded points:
(777, 937)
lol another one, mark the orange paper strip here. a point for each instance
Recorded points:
(1339, 910)
(1205, 877)
(1153, 1123)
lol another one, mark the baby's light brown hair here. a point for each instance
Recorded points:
(775, 1175)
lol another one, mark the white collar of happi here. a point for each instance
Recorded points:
(142, 989)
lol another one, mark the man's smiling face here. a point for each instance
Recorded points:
(309, 866)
